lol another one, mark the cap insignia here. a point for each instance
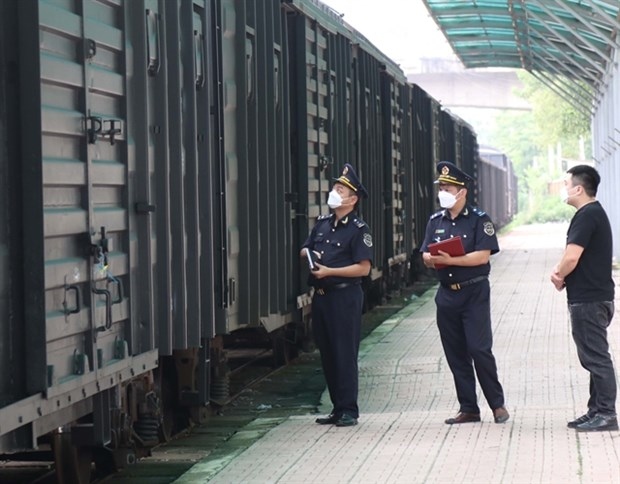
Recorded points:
(445, 170)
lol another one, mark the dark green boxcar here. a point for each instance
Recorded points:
(107, 150)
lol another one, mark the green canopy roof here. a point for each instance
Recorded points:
(567, 44)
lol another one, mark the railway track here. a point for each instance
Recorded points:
(258, 388)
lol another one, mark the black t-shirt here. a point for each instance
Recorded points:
(591, 280)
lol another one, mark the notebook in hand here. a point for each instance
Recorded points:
(311, 256)
(453, 246)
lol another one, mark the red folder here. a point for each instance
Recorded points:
(453, 246)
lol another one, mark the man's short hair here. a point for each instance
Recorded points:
(587, 177)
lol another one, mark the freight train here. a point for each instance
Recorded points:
(161, 163)
(499, 195)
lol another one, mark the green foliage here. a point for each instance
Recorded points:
(556, 120)
(526, 137)
(542, 207)
(550, 209)
(515, 133)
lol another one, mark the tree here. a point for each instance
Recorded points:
(526, 137)
(557, 121)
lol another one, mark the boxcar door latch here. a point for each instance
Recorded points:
(105, 128)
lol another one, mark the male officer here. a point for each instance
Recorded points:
(463, 297)
(343, 243)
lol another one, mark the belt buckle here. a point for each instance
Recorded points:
(455, 287)
(321, 291)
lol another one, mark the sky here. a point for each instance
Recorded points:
(401, 29)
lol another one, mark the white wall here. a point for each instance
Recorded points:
(606, 149)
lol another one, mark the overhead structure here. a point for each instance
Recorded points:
(567, 44)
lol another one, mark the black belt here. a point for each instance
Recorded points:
(460, 285)
(324, 290)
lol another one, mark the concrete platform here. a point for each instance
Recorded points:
(406, 392)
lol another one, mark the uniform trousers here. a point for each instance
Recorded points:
(336, 324)
(589, 323)
(464, 322)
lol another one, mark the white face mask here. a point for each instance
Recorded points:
(334, 200)
(446, 199)
(564, 196)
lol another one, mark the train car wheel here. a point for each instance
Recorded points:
(73, 463)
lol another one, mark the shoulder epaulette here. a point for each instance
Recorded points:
(478, 212)
(437, 214)
(359, 223)
(324, 217)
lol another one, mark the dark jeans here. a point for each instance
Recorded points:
(589, 322)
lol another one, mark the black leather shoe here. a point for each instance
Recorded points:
(329, 420)
(500, 415)
(346, 421)
(463, 417)
(579, 420)
(598, 423)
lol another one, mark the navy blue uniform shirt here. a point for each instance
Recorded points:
(477, 233)
(341, 243)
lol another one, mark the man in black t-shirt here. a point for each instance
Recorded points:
(585, 272)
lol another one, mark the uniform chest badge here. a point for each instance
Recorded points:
(368, 240)
(488, 228)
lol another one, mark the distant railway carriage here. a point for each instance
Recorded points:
(161, 163)
(498, 193)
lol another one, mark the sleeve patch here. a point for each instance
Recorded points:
(368, 240)
(489, 229)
